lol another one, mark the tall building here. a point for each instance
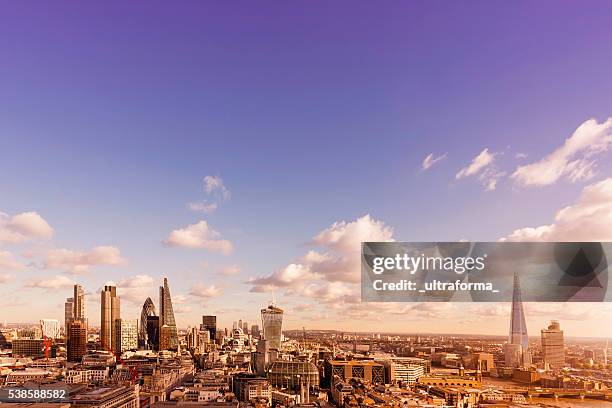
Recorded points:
(255, 331)
(517, 349)
(209, 323)
(110, 311)
(50, 328)
(126, 335)
(68, 313)
(76, 340)
(553, 346)
(166, 317)
(152, 333)
(148, 309)
(272, 322)
(79, 303)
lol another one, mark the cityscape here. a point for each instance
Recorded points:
(149, 362)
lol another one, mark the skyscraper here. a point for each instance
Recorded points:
(166, 318)
(517, 349)
(79, 303)
(126, 335)
(68, 313)
(209, 323)
(148, 309)
(110, 311)
(76, 340)
(553, 346)
(272, 322)
(152, 333)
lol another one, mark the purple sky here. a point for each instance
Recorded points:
(311, 113)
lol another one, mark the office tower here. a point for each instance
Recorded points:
(79, 303)
(148, 309)
(165, 334)
(50, 328)
(76, 340)
(234, 325)
(255, 330)
(553, 346)
(272, 322)
(245, 328)
(152, 332)
(126, 335)
(209, 323)
(110, 311)
(166, 317)
(517, 349)
(68, 313)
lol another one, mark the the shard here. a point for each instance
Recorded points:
(518, 328)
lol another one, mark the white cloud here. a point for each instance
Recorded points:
(230, 270)
(214, 185)
(337, 262)
(483, 166)
(430, 160)
(23, 227)
(199, 236)
(202, 206)
(182, 309)
(136, 281)
(4, 278)
(575, 160)
(82, 261)
(203, 291)
(482, 160)
(51, 282)
(9, 263)
(589, 219)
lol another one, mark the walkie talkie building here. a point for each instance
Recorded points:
(272, 321)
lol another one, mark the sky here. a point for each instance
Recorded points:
(245, 150)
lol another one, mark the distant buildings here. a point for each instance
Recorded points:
(209, 323)
(553, 346)
(516, 351)
(110, 311)
(166, 318)
(366, 370)
(79, 303)
(28, 348)
(272, 321)
(68, 312)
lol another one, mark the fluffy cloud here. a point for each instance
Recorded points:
(4, 278)
(430, 160)
(589, 219)
(335, 264)
(199, 236)
(214, 185)
(484, 168)
(82, 261)
(9, 263)
(23, 227)
(51, 282)
(575, 160)
(202, 206)
(203, 291)
(136, 281)
(230, 270)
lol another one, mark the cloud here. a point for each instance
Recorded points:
(199, 236)
(230, 270)
(575, 160)
(202, 206)
(23, 227)
(430, 160)
(337, 259)
(136, 281)
(4, 278)
(51, 282)
(483, 166)
(203, 291)
(482, 160)
(82, 261)
(9, 263)
(589, 219)
(214, 185)
(182, 309)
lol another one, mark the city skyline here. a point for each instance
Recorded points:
(245, 156)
